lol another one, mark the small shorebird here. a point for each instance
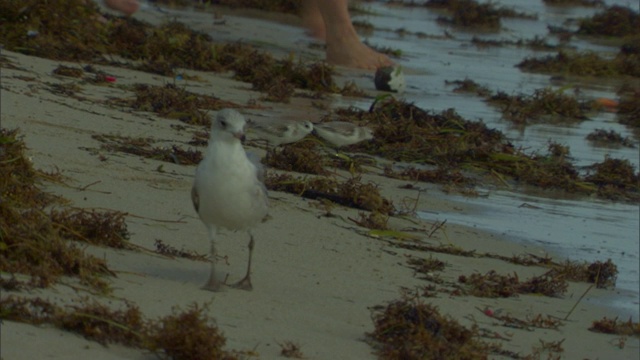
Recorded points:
(278, 132)
(342, 133)
(227, 191)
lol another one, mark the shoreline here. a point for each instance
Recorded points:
(623, 299)
(316, 277)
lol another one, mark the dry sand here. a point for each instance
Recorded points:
(315, 277)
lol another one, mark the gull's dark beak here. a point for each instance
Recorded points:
(240, 136)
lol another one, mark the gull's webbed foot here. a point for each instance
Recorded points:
(244, 284)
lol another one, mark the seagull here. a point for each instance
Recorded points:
(342, 133)
(279, 132)
(228, 191)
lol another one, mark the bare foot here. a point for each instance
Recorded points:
(343, 44)
(126, 7)
(353, 53)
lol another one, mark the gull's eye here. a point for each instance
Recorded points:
(224, 124)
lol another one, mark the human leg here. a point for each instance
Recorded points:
(313, 19)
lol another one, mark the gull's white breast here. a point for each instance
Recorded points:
(231, 196)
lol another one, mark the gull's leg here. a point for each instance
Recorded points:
(213, 284)
(245, 283)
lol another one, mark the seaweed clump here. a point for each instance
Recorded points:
(188, 335)
(613, 326)
(545, 105)
(299, 157)
(291, 350)
(166, 47)
(68, 71)
(35, 28)
(615, 179)
(351, 193)
(94, 227)
(411, 329)
(602, 274)
(426, 266)
(564, 62)
(586, 63)
(469, 86)
(629, 109)
(450, 177)
(615, 21)
(494, 285)
(171, 101)
(405, 132)
(35, 242)
(470, 13)
(609, 138)
(536, 43)
(277, 77)
(167, 250)
(183, 335)
(143, 147)
(93, 320)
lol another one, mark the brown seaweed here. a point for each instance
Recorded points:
(470, 13)
(292, 350)
(303, 157)
(167, 250)
(601, 137)
(411, 329)
(614, 21)
(184, 335)
(107, 228)
(543, 106)
(351, 193)
(615, 178)
(582, 63)
(143, 147)
(613, 326)
(32, 240)
(493, 284)
(171, 101)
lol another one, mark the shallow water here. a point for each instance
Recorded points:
(585, 229)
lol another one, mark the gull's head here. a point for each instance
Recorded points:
(228, 124)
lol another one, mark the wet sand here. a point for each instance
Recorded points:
(315, 277)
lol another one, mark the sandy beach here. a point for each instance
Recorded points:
(316, 278)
